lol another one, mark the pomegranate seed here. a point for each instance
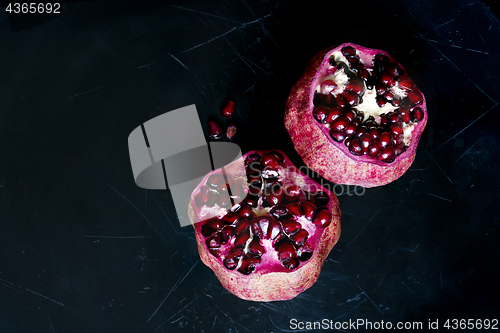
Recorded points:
(270, 160)
(212, 198)
(375, 132)
(355, 86)
(385, 139)
(305, 252)
(241, 239)
(231, 130)
(351, 98)
(299, 238)
(215, 241)
(417, 114)
(366, 141)
(227, 232)
(348, 51)
(394, 70)
(273, 195)
(290, 226)
(396, 102)
(321, 199)
(341, 101)
(214, 129)
(278, 156)
(255, 248)
(415, 97)
(337, 135)
(274, 229)
(291, 263)
(340, 124)
(387, 80)
(394, 118)
(398, 149)
(386, 154)
(333, 114)
(350, 114)
(292, 192)
(279, 212)
(389, 95)
(320, 113)
(375, 149)
(404, 113)
(347, 141)
(397, 139)
(323, 218)
(244, 212)
(406, 84)
(384, 121)
(309, 209)
(355, 147)
(364, 74)
(380, 89)
(224, 201)
(362, 130)
(395, 129)
(328, 86)
(351, 129)
(381, 101)
(228, 109)
(286, 251)
(248, 264)
(241, 226)
(215, 180)
(295, 209)
(211, 227)
(232, 258)
(381, 58)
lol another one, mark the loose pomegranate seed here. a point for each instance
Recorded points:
(417, 114)
(214, 129)
(322, 218)
(231, 130)
(387, 154)
(228, 109)
(355, 147)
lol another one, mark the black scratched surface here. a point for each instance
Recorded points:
(83, 249)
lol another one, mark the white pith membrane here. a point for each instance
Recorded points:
(334, 80)
(287, 175)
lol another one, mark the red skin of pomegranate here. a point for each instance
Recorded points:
(328, 158)
(265, 284)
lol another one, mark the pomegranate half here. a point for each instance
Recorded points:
(264, 228)
(355, 117)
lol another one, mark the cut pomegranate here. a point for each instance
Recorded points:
(374, 106)
(273, 245)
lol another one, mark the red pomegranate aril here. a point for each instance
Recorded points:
(406, 83)
(273, 195)
(384, 121)
(404, 114)
(242, 226)
(279, 212)
(295, 209)
(415, 97)
(252, 158)
(248, 264)
(396, 129)
(399, 148)
(381, 101)
(375, 132)
(244, 211)
(292, 192)
(213, 197)
(388, 95)
(290, 226)
(396, 102)
(270, 160)
(309, 210)
(338, 136)
(211, 227)
(228, 109)
(286, 251)
(274, 229)
(322, 218)
(215, 241)
(321, 199)
(291, 263)
(351, 98)
(350, 114)
(333, 114)
(255, 248)
(232, 258)
(356, 86)
(387, 80)
(385, 139)
(396, 139)
(374, 149)
(340, 100)
(305, 252)
(394, 118)
(226, 233)
(215, 180)
(348, 51)
(340, 124)
(299, 238)
(394, 70)
(417, 114)
(366, 141)
(320, 113)
(241, 239)
(214, 129)
(224, 201)
(386, 154)
(355, 147)
(257, 225)
(231, 130)
(351, 129)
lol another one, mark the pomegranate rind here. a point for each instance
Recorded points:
(330, 159)
(263, 285)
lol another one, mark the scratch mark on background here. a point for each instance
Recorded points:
(20, 289)
(466, 127)
(166, 216)
(210, 40)
(88, 91)
(203, 13)
(175, 314)
(176, 285)
(364, 226)
(363, 292)
(116, 237)
(468, 150)
(444, 173)
(437, 196)
(149, 222)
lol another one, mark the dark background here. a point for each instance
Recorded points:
(83, 249)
